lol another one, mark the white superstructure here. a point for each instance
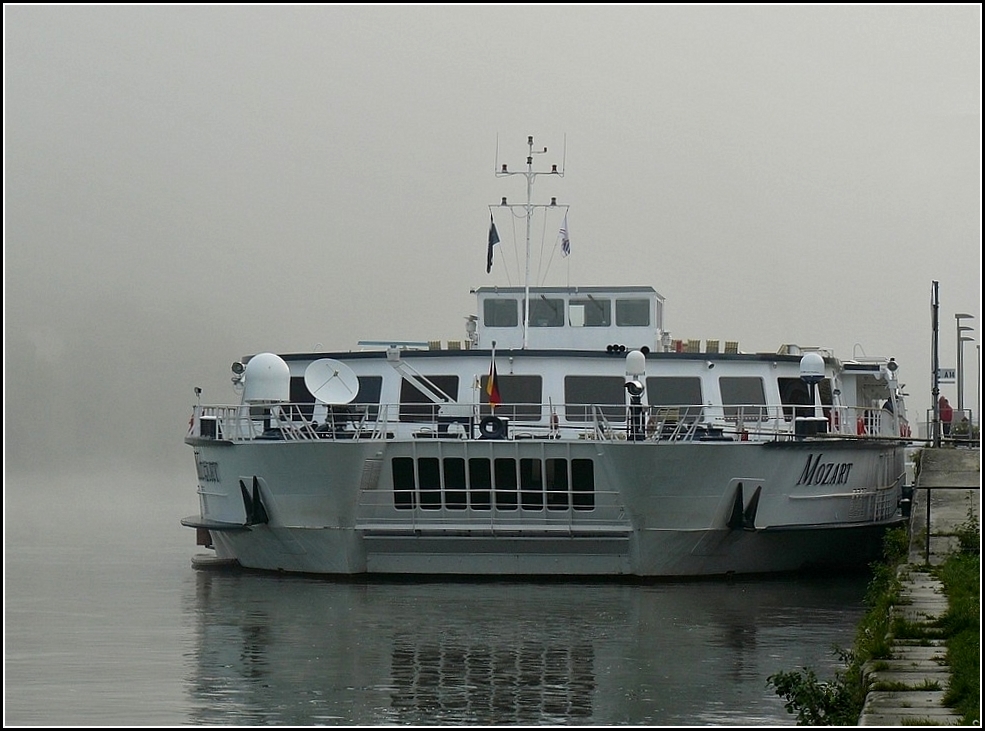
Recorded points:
(566, 433)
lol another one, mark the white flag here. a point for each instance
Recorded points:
(563, 233)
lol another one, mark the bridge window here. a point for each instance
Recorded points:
(590, 312)
(546, 312)
(633, 312)
(500, 313)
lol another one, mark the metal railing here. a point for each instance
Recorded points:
(599, 422)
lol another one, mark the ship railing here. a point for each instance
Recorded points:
(599, 422)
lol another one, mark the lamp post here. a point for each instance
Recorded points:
(961, 341)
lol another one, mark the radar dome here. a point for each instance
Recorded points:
(635, 363)
(812, 368)
(267, 380)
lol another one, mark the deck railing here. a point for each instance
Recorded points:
(599, 422)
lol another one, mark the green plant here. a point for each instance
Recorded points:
(816, 702)
(839, 702)
(961, 576)
(969, 532)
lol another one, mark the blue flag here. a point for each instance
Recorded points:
(493, 240)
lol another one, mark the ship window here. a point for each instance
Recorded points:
(500, 313)
(590, 312)
(299, 394)
(681, 394)
(546, 312)
(429, 483)
(480, 483)
(582, 484)
(531, 485)
(368, 396)
(454, 468)
(415, 406)
(581, 392)
(743, 397)
(521, 395)
(794, 392)
(505, 484)
(633, 313)
(556, 474)
(402, 469)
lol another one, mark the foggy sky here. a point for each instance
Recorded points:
(188, 185)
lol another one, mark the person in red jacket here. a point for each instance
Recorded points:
(946, 413)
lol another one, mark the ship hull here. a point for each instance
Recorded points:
(546, 508)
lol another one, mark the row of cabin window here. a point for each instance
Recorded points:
(522, 396)
(479, 483)
(583, 312)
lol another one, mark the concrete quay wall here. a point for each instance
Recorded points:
(949, 483)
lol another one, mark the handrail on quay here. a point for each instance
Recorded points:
(947, 469)
(926, 551)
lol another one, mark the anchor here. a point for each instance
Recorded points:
(255, 512)
(744, 517)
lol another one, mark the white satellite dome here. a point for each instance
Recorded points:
(267, 380)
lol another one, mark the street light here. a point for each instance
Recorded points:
(961, 341)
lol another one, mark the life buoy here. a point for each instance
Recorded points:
(492, 427)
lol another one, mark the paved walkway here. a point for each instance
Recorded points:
(917, 672)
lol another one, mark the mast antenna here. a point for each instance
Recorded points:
(528, 209)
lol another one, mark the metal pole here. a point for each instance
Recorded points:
(961, 341)
(935, 390)
(926, 550)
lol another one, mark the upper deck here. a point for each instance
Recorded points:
(578, 318)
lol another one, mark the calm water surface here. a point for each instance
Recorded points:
(106, 623)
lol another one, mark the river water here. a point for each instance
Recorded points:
(107, 623)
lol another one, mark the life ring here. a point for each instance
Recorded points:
(492, 427)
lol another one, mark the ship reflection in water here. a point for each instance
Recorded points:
(529, 683)
(290, 650)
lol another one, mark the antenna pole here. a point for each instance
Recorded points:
(528, 209)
